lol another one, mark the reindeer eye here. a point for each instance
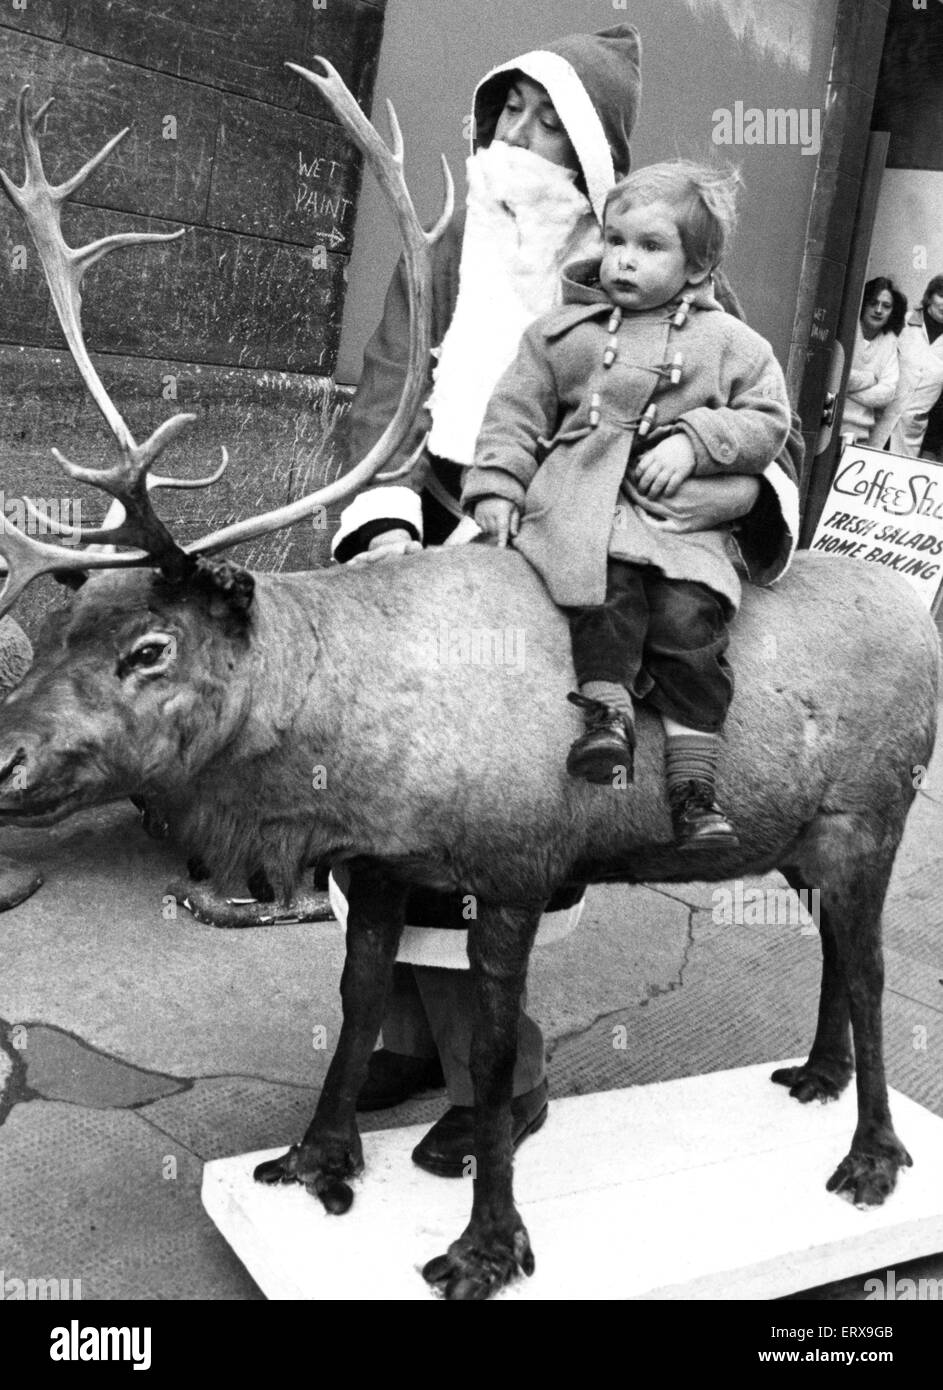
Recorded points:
(146, 655)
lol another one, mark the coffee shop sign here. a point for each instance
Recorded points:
(887, 510)
(885, 489)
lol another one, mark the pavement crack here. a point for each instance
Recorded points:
(244, 1076)
(652, 992)
(556, 1043)
(674, 897)
(656, 991)
(173, 1138)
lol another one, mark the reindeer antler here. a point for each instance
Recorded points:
(387, 166)
(131, 479)
(40, 204)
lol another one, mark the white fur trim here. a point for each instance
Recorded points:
(525, 219)
(576, 111)
(448, 950)
(397, 503)
(787, 495)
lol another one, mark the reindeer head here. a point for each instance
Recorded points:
(136, 685)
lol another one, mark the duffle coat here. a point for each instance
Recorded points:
(561, 427)
(766, 536)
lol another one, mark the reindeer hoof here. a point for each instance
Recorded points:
(867, 1178)
(279, 1170)
(336, 1197)
(319, 1173)
(472, 1270)
(813, 1082)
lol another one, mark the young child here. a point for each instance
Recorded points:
(637, 382)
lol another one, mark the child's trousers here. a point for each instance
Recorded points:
(675, 629)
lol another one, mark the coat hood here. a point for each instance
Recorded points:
(581, 286)
(595, 83)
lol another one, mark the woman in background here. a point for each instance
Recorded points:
(902, 426)
(875, 369)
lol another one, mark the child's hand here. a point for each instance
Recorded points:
(661, 471)
(498, 517)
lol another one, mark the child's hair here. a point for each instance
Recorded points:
(704, 200)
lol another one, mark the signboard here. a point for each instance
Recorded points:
(887, 510)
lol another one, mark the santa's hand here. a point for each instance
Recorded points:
(661, 471)
(387, 546)
(498, 517)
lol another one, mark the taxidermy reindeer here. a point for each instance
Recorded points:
(215, 693)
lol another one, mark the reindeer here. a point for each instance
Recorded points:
(215, 693)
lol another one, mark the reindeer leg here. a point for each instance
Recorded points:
(851, 858)
(330, 1151)
(830, 1065)
(495, 1244)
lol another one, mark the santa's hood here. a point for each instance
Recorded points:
(595, 83)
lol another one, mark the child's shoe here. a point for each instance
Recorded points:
(607, 747)
(698, 821)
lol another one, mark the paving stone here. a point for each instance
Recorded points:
(84, 1197)
(916, 979)
(60, 1067)
(230, 1114)
(92, 954)
(638, 938)
(721, 1017)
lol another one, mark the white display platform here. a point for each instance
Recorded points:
(709, 1187)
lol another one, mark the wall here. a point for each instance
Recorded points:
(908, 233)
(908, 230)
(237, 322)
(698, 56)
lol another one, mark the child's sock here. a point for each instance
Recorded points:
(691, 758)
(609, 693)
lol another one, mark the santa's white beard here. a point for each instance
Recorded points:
(525, 220)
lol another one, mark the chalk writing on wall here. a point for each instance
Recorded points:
(321, 201)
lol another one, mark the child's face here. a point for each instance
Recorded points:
(529, 121)
(643, 263)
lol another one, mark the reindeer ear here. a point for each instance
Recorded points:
(235, 585)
